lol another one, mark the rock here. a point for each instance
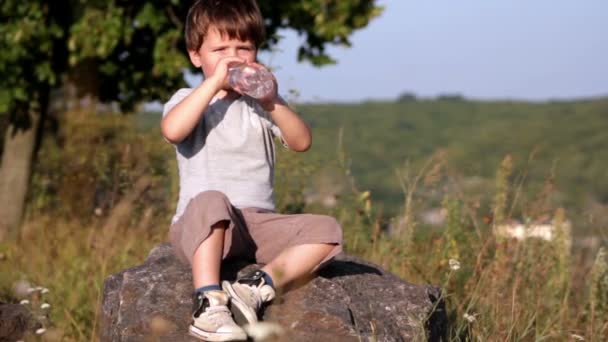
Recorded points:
(15, 320)
(350, 300)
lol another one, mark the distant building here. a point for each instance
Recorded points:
(434, 217)
(519, 231)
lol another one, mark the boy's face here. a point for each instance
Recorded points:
(217, 46)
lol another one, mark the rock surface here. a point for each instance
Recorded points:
(15, 320)
(350, 300)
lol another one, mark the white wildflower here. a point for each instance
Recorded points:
(40, 331)
(577, 337)
(44, 291)
(470, 318)
(31, 290)
(262, 331)
(21, 288)
(45, 306)
(24, 302)
(454, 264)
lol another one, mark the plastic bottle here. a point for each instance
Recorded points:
(251, 80)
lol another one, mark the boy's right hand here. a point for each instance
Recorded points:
(220, 72)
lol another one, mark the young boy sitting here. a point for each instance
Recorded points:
(225, 150)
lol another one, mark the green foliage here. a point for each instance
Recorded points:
(552, 146)
(502, 187)
(322, 22)
(453, 224)
(136, 49)
(72, 261)
(66, 244)
(26, 63)
(97, 33)
(124, 53)
(293, 174)
(494, 290)
(597, 310)
(94, 162)
(407, 97)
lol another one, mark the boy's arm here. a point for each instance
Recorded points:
(294, 130)
(296, 133)
(177, 124)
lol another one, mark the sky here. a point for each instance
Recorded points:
(484, 49)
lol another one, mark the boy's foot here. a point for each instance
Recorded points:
(212, 320)
(247, 295)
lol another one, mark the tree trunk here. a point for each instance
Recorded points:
(15, 170)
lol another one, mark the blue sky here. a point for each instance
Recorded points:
(485, 49)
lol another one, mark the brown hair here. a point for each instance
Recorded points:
(239, 19)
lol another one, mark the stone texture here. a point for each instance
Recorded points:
(350, 300)
(15, 320)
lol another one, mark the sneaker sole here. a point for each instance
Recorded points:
(216, 337)
(241, 311)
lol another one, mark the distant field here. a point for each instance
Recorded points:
(564, 139)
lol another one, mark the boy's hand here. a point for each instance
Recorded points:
(220, 73)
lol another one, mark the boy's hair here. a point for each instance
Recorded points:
(239, 19)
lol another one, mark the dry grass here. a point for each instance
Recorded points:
(496, 289)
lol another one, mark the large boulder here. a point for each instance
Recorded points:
(350, 300)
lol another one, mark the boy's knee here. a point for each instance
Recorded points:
(330, 226)
(332, 234)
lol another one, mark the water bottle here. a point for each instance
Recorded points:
(251, 80)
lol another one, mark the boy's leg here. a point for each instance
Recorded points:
(293, 246)
(296, 262)
(199, 237)
(207, 259)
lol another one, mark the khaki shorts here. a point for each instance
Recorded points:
(253, 234)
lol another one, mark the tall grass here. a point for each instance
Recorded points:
(496, 288)
(74, 235)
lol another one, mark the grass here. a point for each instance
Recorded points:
(496, 289)
(71, 261)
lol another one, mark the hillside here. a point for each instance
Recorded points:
(563, 140)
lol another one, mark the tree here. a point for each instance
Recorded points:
(123, 52)
(407, 97)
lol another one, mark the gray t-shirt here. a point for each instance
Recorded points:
(230, 150)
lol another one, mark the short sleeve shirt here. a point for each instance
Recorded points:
(231, 150)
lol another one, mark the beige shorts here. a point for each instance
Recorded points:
(253, 234)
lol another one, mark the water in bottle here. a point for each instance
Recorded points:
(251, 80)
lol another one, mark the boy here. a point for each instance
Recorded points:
(225, 152)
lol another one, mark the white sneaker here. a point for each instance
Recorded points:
(247, 295)
(212, 320)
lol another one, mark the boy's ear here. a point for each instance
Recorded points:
(195, 58)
